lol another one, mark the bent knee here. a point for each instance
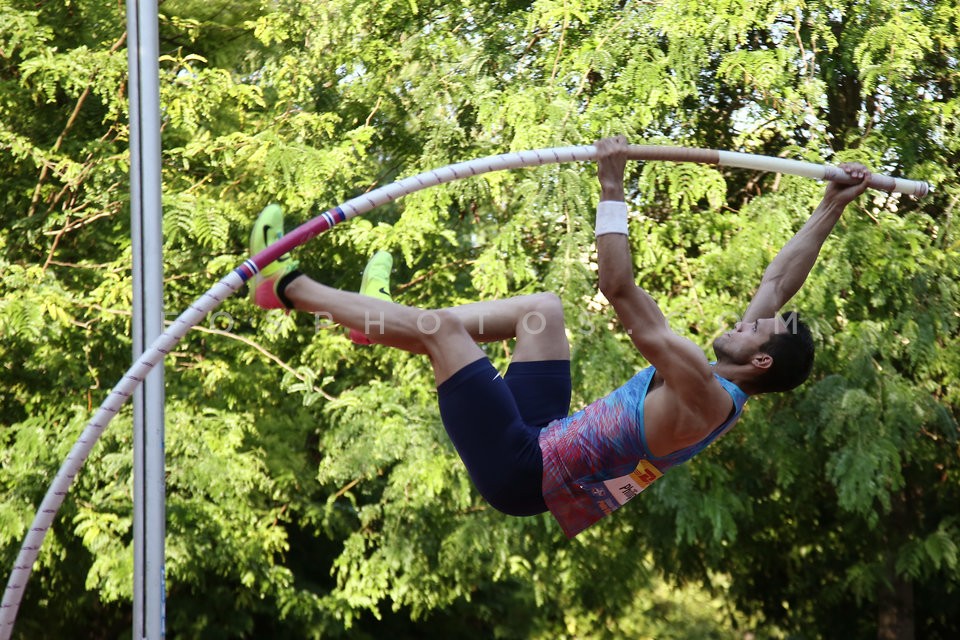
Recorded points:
(438, 324)
(545, 313)
(547, 303)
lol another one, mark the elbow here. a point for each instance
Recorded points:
(779, 285)
(615, 286)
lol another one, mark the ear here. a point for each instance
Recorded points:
(762, 360)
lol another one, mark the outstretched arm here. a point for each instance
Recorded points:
(789, 270)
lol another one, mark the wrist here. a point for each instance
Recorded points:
(611, 217)
(612, 192)
(832, 207)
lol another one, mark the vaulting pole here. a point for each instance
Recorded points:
(232, 282)
(146, 230)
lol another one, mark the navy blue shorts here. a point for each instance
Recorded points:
(495, 423)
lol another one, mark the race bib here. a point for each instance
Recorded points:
(610, 495)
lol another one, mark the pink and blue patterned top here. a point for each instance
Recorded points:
(597, 459)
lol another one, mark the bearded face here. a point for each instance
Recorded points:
(740, 345)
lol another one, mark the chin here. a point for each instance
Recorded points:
(725, 355)
(718, 349)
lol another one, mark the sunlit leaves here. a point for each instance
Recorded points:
(312, 489)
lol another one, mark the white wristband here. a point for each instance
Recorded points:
(611, 217)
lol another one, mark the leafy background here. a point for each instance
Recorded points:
(311, 489)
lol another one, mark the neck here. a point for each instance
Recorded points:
(738, 374)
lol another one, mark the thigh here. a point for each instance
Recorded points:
(499, 449)
(541, 389)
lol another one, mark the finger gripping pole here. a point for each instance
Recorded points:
(357, 206)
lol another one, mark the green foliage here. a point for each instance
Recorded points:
(312, 491)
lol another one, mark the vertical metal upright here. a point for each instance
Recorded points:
(146, 229)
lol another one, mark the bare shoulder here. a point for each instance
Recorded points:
(672, 421)
(685, 401)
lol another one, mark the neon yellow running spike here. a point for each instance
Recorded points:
(375, 284)
(376, 276)
(266, 230)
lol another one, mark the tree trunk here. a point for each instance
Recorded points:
(895, 615)
(895, 604)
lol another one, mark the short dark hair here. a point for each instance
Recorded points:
(792, 353)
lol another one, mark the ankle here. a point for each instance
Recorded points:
(282, 288)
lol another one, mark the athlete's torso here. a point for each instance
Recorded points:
(598, 458)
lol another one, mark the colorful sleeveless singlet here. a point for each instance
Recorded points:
(597, 459)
